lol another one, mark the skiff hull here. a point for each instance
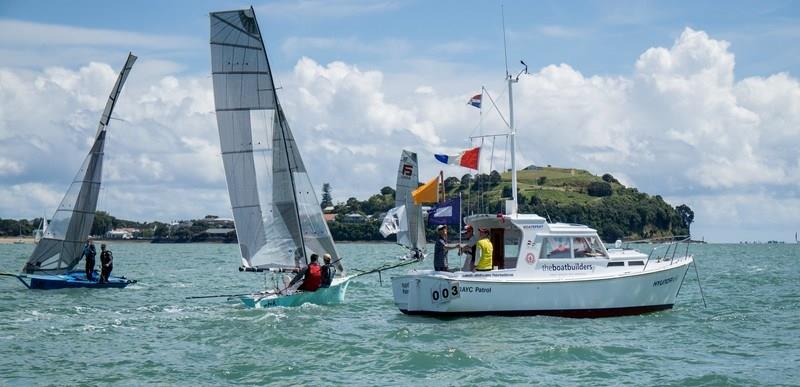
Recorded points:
(72, 280)
(423, 293)
(323, 296)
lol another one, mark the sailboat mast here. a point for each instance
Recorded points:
(511, 82)
(279, 112)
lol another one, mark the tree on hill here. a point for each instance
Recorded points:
(327, 199)
(687, 216)
(494, 178)
(541, 180)
(599, 189)
(466, 180)
(451, 183)
(388, 191)
(610, 179)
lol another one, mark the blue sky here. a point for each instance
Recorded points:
(696, 101)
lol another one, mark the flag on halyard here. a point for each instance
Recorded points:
(476, 100)
(392, 221)
(468, 158)
(427, 193)
(448, 212)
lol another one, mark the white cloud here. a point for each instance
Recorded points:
(327, 9)
(680, 125)
(20, 34)
(10, 167)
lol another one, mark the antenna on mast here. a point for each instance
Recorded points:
(505, 48)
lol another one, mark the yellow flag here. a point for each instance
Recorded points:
(427, 193)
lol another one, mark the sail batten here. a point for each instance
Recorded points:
(61, 246)
(277, 216)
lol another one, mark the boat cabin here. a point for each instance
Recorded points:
(527, 243)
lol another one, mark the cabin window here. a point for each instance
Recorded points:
(588, 247)
(511, 243)
(556, 247)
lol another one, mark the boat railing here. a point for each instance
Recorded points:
(666, 251)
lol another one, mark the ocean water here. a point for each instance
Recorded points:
(150, 334)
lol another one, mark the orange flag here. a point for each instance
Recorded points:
(427, 193)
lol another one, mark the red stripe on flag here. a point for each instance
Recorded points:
(469, 158)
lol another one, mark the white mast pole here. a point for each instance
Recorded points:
(511, 81)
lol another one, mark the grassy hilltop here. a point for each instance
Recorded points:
(560, 194)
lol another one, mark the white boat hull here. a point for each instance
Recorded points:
(323, 296)
(502, 293)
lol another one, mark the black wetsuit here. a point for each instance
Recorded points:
(89, 252)
(106, 265)
(328, 272)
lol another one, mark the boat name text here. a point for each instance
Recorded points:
(568, 267)
(663, 281)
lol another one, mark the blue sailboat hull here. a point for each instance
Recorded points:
(73, 279)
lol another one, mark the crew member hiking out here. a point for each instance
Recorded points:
(311, 276)
(106, 263)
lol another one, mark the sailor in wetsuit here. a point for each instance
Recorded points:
(106, 263)
(328, 271)
(89, 252)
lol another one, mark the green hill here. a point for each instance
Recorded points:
(575, 196)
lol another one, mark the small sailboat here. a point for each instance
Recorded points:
(542, 268)
(41, 230)
(277, 215)
(405, 219)
(51, 264)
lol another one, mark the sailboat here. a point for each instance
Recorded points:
(40, 231)
(279, 222)
(542, 268)
(51, 264)
(405, 219)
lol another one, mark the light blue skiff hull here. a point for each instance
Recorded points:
(323, 296)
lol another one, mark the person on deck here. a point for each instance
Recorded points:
(328, 271)
(311, 276)
(89, 252)
(106, 263)
(440, 249)
(468, 249)
(483, 251)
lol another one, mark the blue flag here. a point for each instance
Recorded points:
(448, 212)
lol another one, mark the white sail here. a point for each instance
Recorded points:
(60, 248)
(394, 222)
(278, 219)
(411, 232)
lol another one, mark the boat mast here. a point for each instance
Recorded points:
(511, 81)
(279, 112)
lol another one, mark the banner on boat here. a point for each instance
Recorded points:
(448, 212)
(468, 158)
(475, 100)
(427, 193)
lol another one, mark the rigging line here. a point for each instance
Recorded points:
(491, 156)
(498, 109)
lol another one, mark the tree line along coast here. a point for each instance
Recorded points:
(559, 194)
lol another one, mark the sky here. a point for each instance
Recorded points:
(698, 102)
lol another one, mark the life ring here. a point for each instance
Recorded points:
(530, 258)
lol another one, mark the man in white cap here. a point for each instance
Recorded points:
(440, 249)
(328, 271)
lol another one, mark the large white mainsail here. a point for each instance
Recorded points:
(277, 214)
(406, 217)
(60, 248)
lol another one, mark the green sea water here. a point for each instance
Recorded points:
(150, 334)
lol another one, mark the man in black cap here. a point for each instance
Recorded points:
(106, 263)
